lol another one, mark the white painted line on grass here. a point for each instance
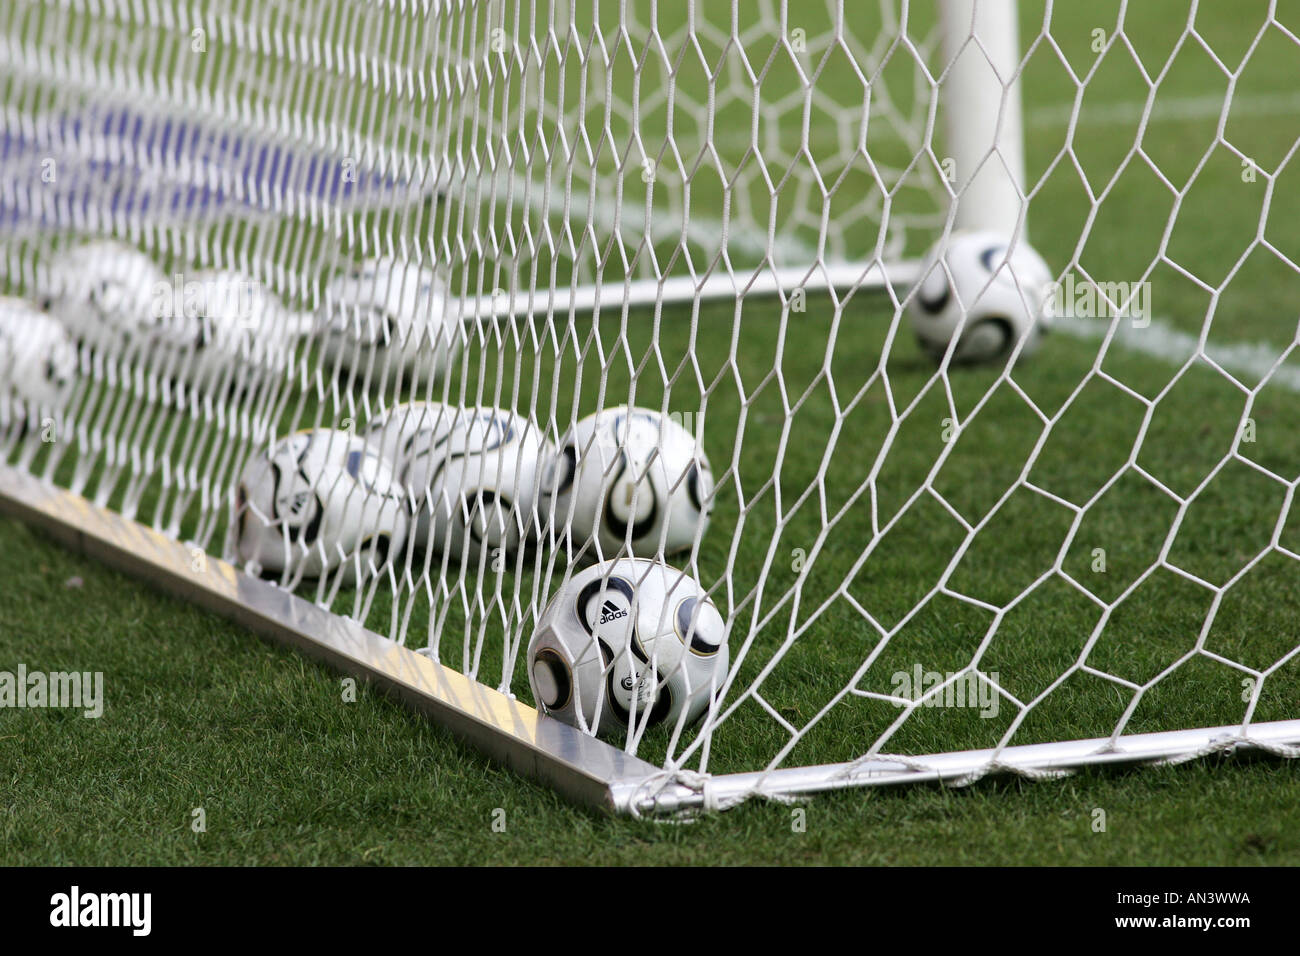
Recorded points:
(1250, 360)
(1169, 109)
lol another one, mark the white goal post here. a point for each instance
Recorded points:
(720, 211)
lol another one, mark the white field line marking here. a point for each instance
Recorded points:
(710, 231)
(1251, 361)
(1159, 340)
(1166, 110)
(665, 224)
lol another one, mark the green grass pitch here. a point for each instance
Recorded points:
(202, 715)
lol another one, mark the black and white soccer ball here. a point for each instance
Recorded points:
(390, 316)
(107, 294)
(396, 432)
(628, 640)
(223, 331)
(318, 502)
(630, 476)
(473, 475)
(38, 364)
(988, 297)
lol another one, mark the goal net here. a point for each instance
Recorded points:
(720, 212)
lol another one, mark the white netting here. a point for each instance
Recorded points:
(910, 559)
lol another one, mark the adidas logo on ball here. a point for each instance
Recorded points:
(662, 661)
(611, 612)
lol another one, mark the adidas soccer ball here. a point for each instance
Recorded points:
(474, 475)
(318, 502)
(226, 331)
(107, 294)
(631, 476)
(387, 317)
(38, 363)
(628, 639)
(1003, 298)
(396, 432)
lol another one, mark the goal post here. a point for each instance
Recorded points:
(983, 114)
(978, 97)
(721, 212)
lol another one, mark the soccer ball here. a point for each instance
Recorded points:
(474, 476)
(317, 502)
(628, 639)
(38, 363)
(394, 433)
(631, 475)
(107, 294)
(224, 330)
(389, 316)
(1003, 299)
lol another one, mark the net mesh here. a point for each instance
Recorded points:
(911, 558)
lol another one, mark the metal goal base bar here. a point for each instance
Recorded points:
(1280, 738)
(582, 768)
(614, 296)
